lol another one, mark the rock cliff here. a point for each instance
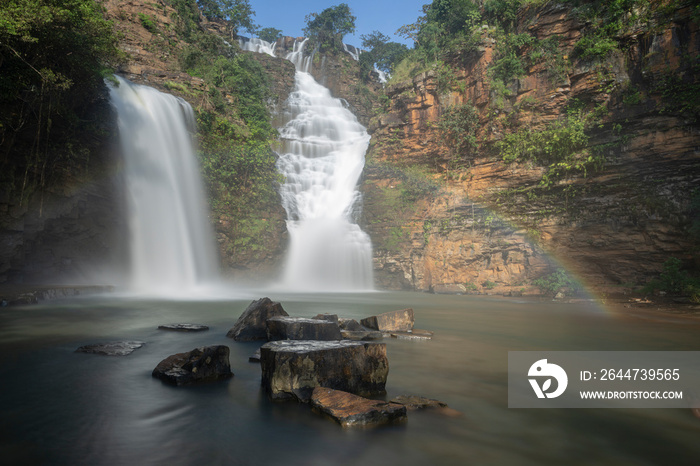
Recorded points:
(489, 225)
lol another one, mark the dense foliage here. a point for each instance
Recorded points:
(326, 29)
(54, 55)
(380, 52)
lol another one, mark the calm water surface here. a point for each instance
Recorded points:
(62, 407)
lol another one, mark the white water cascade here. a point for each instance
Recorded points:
(171, 242)
(322, 157)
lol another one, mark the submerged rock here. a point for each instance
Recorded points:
(252, 324)
(114, 348)
(394, 321)
(184, 327)
(203, 364)
(414, 334)
(293, 368)
(355, 411)
(413, 403)
(300, 328)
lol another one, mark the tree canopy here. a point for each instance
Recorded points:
(381, 52)
(326, 29)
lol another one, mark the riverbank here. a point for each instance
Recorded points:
(18, 295)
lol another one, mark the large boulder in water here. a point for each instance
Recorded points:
(300, 328)
(252, 324)
(355, 411)
(293, 368)
(203, 364)
(394, 321)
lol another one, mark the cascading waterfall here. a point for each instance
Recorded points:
(171, 242)
(322, 157)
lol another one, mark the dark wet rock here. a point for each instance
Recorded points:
(255, 357)
(394, 321)
(293, 368)
(252, 324)
(327, 317)
(355, 411)
(203, 364)
(184, 327)
(113, 348)
(300, 328)
(414, 334)
(362, 335)
(350, 325)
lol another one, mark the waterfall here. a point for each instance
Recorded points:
(171, 242)
(322, 156)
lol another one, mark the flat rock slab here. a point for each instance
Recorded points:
(300, 328)
(252, 324)
(414, 334)
(394, 321)
(355, 411)
(204, 364)
(113, 348)
(293, 368)
(184, 327)
(362, 335)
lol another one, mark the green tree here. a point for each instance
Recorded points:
(380, 52)
(269, 34)
(326, 29)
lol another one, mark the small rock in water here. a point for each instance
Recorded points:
(184, 327)
(113, 348)
(252, 324)
(300, 328)
(255, 356)
(203, 364)
(355, 411)
(351, 325)
(394, 321)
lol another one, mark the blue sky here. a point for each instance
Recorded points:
(385, 16)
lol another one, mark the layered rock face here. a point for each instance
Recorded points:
(490, 223)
